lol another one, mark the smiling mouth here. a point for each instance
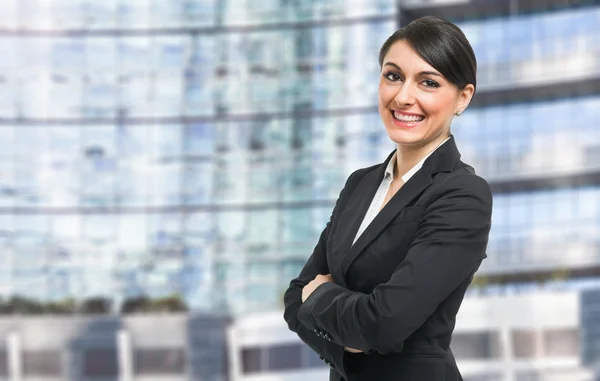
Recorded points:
(407, 119)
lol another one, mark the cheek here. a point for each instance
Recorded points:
(386, 94)
(438, 105)
(381, 106)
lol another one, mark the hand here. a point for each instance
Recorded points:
(313, 284)
(351, 350)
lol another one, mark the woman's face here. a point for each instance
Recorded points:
(416, 102)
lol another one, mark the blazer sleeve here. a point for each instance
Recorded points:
(316, 264)
(447, 248)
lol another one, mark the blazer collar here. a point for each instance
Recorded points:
(389, 169)
(444, 159)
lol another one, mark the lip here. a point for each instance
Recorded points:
(407, 113)
(403, 124)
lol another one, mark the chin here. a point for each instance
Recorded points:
(404, 137)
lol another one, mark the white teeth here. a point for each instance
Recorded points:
(407, 118)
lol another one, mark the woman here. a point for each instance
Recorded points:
(378, 297)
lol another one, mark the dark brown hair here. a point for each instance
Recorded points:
(442, 45)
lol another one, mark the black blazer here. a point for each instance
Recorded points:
(396, 291)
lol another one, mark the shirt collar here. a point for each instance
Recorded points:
(389, 171)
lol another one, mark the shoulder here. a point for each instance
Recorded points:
(463, 181)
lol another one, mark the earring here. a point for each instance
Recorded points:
(458, 113)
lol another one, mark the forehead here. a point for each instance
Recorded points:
(403, 55)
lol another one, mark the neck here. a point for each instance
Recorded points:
(407, 156)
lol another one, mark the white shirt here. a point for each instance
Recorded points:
(384, 187)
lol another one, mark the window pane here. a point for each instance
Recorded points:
(477, 345)
(284, 357)
(3, 363)
(258, 270)
(251, 360)
(42, 363)
(100, 363)
(263, 228)
(524, 343)
(160, 361)
(561, 342)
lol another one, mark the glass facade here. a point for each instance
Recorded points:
(525, 140)
(157, 147)
(530, 49)
(197, 146)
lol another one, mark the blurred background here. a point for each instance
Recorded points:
(166, 167)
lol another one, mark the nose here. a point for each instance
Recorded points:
(405, 95)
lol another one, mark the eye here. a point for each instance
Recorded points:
(392, 76)
(431, 83)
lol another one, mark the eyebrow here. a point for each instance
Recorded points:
(420, 73)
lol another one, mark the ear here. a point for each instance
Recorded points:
(464, 97)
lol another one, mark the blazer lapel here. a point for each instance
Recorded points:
(409, 191)
(353, 214)
(442, 160)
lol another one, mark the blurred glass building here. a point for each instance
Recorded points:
(104, 107)
(188, 147)
(174, 347)
(196, 147)
(531, 131)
